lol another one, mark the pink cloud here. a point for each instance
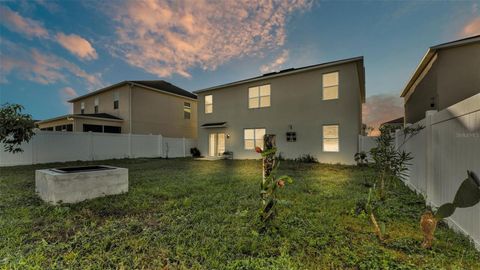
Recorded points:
(41, 67)
(165, 37)
(77, 46)
(472, 27)
(276, 64)
(26, 26)
(69, 92)
(381, 108)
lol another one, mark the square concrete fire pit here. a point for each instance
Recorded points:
(75, 184)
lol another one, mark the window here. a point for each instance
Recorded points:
(92, 128)
(253, 138)
(291, 136)
(82, 107)
(95, 108)
(187, 110)
(116, 99)
(112, 129)
(209, 104)
(259, 96)
(330, 86)
(330, 138)
(68, 127)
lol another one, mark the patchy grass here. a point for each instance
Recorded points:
(202, 215)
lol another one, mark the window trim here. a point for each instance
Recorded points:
(96, 103)
(185, 108)
(116, 100)
(205, 104)
(338, 86)
(82, 107)
(338, 138)
(259, 97)
(254, 137)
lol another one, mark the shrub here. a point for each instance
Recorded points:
(306, 159)
(195, 152)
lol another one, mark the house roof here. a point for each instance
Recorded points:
(97, 116)
(157, 85)
(290, 71)
(214, 125)
(399, 120)
(431, 52)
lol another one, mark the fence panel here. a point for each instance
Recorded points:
(443, 152)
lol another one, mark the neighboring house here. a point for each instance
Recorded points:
(138, 107)
(314, 110)
(447, 74)
(397, 123)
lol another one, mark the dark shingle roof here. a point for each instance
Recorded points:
(167, 87)
(99, 115)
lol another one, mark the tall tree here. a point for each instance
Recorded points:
(15, 127)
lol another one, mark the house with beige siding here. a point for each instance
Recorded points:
(137, 107)
(447, 74)
(315, 110)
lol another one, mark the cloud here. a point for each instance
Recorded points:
(472, 27)
(167, 37)
(276, 64)
(66, 94)
(381, 108)
(51, 6)
(19, 24)
(40, 67)
(77, 46)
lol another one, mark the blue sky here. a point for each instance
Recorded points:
(52, 51)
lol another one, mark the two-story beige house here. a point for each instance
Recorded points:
(447, 74)
(137, 107)
(314, 110)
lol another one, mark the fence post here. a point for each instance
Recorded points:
(184, 148)
(429, 162)
(160, 146)
(130, 145)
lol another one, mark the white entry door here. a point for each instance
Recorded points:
(216, 144)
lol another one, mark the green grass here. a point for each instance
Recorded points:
(203, 215)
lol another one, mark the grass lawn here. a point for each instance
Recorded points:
(202, 215)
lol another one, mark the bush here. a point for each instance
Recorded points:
(195, 152)
(306, 159)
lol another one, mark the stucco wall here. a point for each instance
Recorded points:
(295, 100)
(454, 76)
(157, 113)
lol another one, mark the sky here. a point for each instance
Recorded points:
(52, 51)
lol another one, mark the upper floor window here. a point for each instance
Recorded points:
(95, 108)
(209, 104)
(253, 137)
(330, 85)
(187, 110)
(82, 107)
(259, 96)
(331, 140)
(116, 99)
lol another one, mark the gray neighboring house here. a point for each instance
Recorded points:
(447, 74)
(314, 110)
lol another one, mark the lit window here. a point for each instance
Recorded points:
(330, 138)
(330, 86)
(116, 99)
(95, 108)
(259, 96)
(187, 110)
(253, 138)
(209, 104)
(82, 107)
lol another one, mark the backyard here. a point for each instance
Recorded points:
(185, 214)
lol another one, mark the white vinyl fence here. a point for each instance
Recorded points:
(52, 146)
(366, 143)
(443, 152)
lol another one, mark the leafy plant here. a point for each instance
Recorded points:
(270, 183)
(307, 158)
(368, 207)
(15, 127)
(390, 162)
(195, 152)
(361, 158)
(467, 195)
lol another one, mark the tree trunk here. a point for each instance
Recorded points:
(268, 144)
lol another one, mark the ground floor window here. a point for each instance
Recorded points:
(331, 141)
(68, 127)
(100, 128)
(253, 137)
